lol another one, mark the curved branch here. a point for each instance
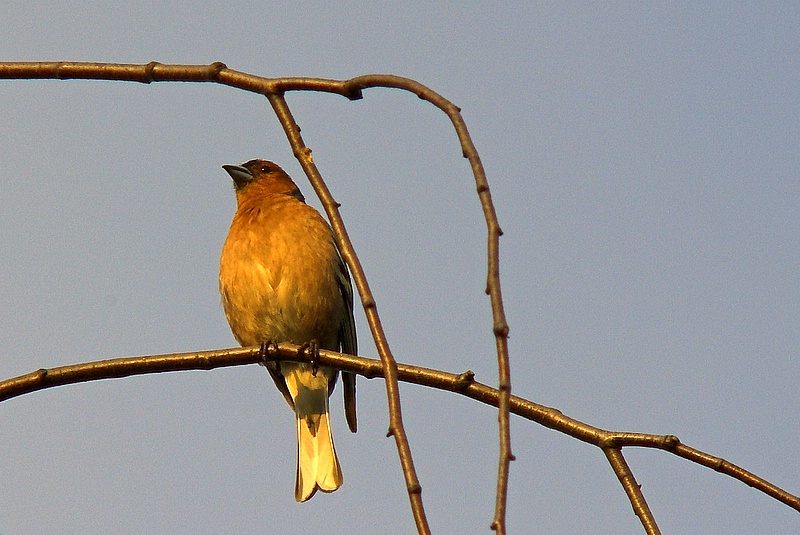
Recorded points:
(274, 88)
(463, 384)
(396, 427)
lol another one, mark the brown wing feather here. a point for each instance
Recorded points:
(349, 343)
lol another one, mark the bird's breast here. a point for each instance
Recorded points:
(278, 276)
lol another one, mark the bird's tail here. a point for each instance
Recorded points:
(317, 464)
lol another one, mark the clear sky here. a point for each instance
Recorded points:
(644, 161)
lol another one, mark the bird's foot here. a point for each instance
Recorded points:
(268, 348)
(311, 350)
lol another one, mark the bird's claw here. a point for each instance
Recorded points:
(268, 347)
(311, 349)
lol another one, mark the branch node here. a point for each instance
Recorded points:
(718, 464)
(464, 380)
(671, 442)
(352, 91)
(148, 72)
(610, 441)
(216, 68)
(501, 329)
(303, 153)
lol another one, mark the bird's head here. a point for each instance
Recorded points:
(268, 175)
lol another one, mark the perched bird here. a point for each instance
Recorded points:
(282, 279)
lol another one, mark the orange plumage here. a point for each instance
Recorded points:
(282, 279)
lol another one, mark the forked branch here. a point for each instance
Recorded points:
(611, 442)
(274, 89)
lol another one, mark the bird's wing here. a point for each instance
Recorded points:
(349, 343)
(274, 369)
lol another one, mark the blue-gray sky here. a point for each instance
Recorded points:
(644, 164)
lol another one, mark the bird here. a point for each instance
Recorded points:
(282, 279)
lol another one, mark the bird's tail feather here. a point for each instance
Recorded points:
(317, 464)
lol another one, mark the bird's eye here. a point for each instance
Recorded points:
(265, 169)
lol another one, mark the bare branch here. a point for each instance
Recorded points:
(396, 427)
(274, 88)
(352, 89)
(463, 384)
(632, 489)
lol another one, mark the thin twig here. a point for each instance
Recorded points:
(351, 89)
(396, 427)
(493, 288)
(273, 88)
(501, 398)
(632, 489)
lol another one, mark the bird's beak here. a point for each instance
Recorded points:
(240, 175)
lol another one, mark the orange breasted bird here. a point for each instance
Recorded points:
(282, 279)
